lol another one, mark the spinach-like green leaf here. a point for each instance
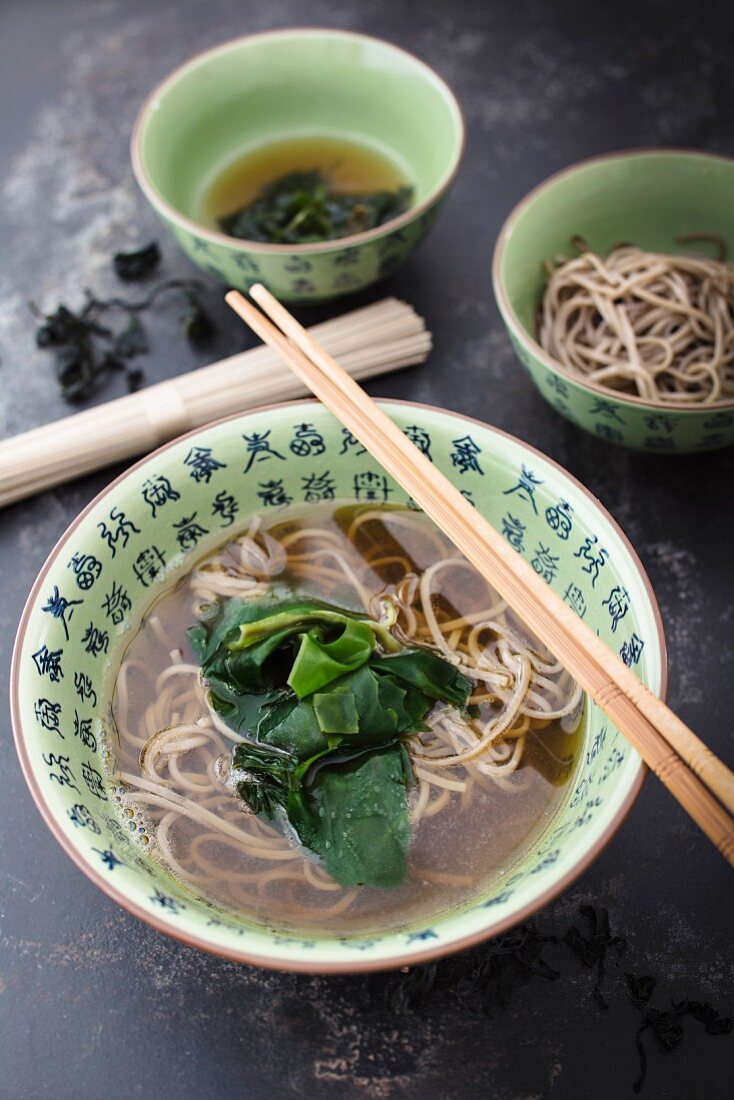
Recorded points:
(298, 616)
(324, 715)
(358, 818)
(430, 674)
(318, 662)
(290, 724)
(336, 712)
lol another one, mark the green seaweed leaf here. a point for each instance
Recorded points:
(300, 208)
(324, 697)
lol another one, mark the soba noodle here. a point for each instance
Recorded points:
(655, 325)
(500, 770)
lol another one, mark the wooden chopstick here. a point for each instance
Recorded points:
(687, 767)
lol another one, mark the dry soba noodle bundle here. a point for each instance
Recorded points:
(655, 325)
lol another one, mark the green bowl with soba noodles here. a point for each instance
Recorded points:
(616, 283)
(268, 708)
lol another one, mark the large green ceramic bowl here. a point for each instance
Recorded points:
(152, 523)
(296, 83)
(647, 197)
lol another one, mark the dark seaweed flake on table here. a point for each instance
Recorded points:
(86, 350)
(134, 266)
(486, 979)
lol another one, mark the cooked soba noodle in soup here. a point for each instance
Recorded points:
(334, 723)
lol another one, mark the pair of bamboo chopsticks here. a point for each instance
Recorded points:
(700, 782)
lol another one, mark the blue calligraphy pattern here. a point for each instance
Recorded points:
(116, 603)
(272, 494)
(617, 603)
(465, 455)
(202, 464)
(95, 641)
(58, 606)
(226, 507)
(48, 715)
(307, 442)
(148, 565)
(48, 663)
(525, 488)
(631, 650)
(84, 689)
(157, 491)
(607, 409)
(86, 568)
(317, 487)
(558, 518)
(189, 532)
(83, 730)
(81, 818)
(259, 449)
(514, 531)
(60, 770)
(420, 437)
(372, 487)
(119, 530)
(544, 563)
(593, 556)
(351, 443)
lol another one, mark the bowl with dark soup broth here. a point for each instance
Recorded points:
(267, 707)
(615, 283)
(313, 161)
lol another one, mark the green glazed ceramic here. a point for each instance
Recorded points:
(647, 197)
(153, 522)
(295, 83)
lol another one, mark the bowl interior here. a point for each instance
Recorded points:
(645, 198)
(296, 83)
(153, 522)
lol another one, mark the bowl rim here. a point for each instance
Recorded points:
(164, 207)
(518, 329)
(253, 958)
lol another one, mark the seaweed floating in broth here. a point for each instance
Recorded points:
(359, 689)
(324, 698)
(302, 208)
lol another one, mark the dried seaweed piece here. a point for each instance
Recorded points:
(666, 1024)
(591, 948)
(136, 265)
(85, 350)
(132, 341)
(411, 993)
(517, 956)
(135, 379)
(196, 324)
(512, 959)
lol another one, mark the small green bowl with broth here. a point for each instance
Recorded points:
(134, 547)
(213, 121)
(648, 198)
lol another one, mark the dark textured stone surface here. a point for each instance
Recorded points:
(96, 1004)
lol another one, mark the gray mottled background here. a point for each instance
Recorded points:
(94, 1003)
